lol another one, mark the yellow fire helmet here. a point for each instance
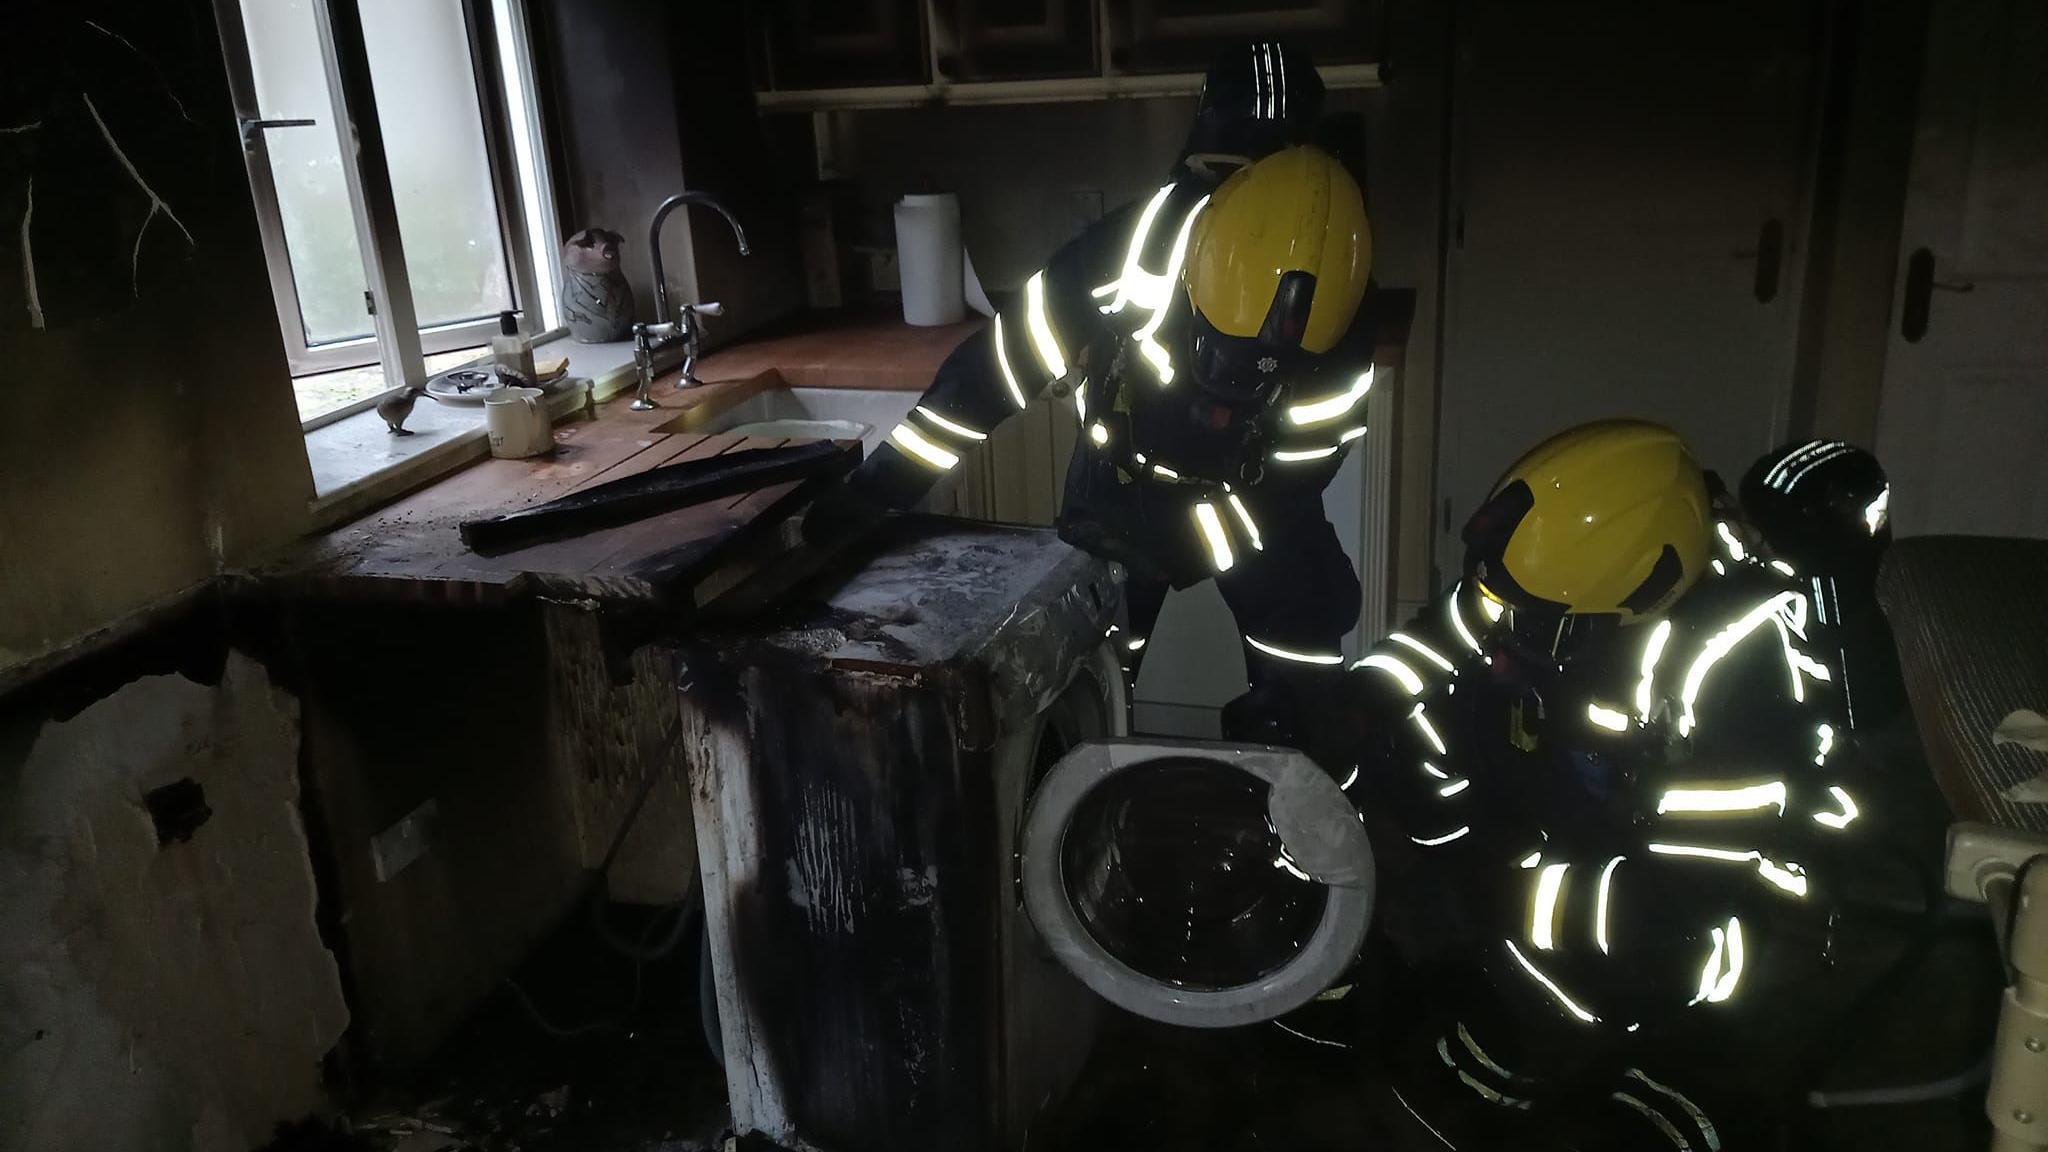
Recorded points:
(1280, 257)
(1610, 519)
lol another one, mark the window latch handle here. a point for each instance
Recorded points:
(252, 125)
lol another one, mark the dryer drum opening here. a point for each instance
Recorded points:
(1201, 884)
(1175, 870)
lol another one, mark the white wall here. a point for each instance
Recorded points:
(170, 996)
(1022, 172)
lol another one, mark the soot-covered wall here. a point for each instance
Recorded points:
(150, 434)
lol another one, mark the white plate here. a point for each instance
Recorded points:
(443, 387)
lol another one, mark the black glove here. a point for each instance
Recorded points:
(840, 515)
(886, 479)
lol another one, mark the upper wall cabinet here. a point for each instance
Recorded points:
(1185, 35)
(805, 44)
(1016, 39)
(812, 55)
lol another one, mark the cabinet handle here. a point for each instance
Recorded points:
(1770, 257)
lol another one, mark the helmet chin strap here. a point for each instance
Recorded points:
(1215, 165)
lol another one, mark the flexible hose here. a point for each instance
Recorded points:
(1823, 1053)
(1946, 1088)
(641, 951)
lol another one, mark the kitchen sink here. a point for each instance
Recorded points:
(813, 413)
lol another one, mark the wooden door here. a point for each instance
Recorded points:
(800, 44)
(1963, 419)
(1018, 39)
(1625, 220)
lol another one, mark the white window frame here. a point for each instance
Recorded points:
(501, 53)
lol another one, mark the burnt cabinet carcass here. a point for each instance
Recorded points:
(859, 780)
(1019, 39)
(809, 44)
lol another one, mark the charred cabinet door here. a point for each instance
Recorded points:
(1199, 884)
(1185, 35)
(839, 44)
(1018, 39)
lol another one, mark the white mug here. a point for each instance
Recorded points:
(518, 423)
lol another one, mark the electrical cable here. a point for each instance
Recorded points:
(1946, 1088)
(679, 913)
(599, 895)
(611, 852)
(577, 1031)
(640, 952)
(1825, 1051)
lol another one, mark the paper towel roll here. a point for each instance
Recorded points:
(977, 296)
(928, 258)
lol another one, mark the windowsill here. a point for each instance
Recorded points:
(357, 463)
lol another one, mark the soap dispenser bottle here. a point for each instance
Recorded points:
(512, 353)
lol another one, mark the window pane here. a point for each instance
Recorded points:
(323, 392)
(440, 174)
(305, 164)
(543, 239)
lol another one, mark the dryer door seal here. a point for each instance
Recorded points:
(1321, 838)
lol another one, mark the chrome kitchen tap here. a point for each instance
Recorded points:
(680, 326)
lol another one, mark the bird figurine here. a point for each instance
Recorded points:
(397, 406)
(597, 301)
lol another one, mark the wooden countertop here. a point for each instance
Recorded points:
(886, 355)
(411, 549)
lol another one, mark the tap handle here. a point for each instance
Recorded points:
(708, 308)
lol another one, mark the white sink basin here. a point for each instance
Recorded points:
(823, 413)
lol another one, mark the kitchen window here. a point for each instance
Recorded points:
(395, 264)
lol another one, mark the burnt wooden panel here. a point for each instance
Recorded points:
(726, 479)
(413, 551)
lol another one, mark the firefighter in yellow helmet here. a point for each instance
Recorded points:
(1211, 341)
(1612, 776)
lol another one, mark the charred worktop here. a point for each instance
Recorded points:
(410, 549)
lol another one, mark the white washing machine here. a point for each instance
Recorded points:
(882, 786)
(859, 779)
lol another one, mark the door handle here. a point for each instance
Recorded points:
(252, 125)
(1770, 257)
(1920, 285)
(1919, 295)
